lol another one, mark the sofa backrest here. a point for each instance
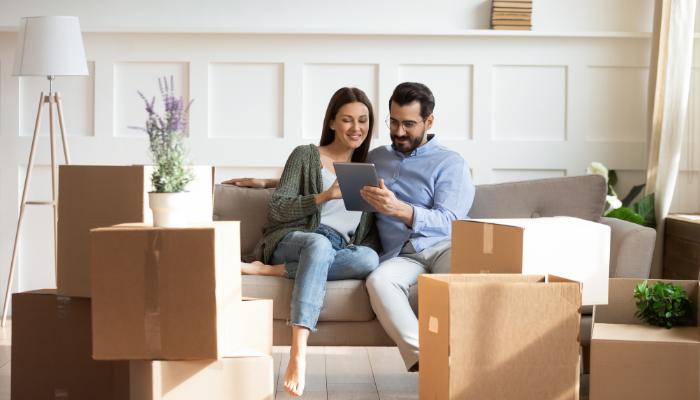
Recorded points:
(578, 196)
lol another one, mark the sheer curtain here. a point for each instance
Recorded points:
(669, 84)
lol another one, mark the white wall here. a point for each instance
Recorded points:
(516, 106)
(549, 15)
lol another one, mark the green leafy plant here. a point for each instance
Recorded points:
(642, 212)
(664, 305)
(173, 170)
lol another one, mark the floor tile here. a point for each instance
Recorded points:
(4, 384)
(348, 365)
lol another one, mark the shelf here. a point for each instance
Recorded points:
(366, 32)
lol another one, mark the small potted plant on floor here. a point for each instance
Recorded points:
(173, 169)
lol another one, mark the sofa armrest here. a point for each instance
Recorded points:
(631, 248)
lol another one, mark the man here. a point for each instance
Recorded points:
(423, 187)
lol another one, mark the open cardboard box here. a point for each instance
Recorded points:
(498, 336)
(167, 293)
(631, 359)
(563, 246)
(52, 351)
(94, 196)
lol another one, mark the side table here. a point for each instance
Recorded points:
(682, 247)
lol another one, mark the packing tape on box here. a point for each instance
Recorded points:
(151, 297)
(488, 239)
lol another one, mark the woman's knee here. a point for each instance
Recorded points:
(367, 258)
(318, 244)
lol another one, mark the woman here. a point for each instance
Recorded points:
(310, 236)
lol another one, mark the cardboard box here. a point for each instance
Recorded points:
(52, 351)
(631, 359)
(498, 336)
(246, 377)
(563, 246)
(92, 196)
(165, 293)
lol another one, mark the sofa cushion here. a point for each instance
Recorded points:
(342, 333)
(249, 206)
(344, 301)
(577, 196)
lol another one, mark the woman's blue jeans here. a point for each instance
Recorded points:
(311, 259)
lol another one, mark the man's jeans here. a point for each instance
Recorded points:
(311, 259)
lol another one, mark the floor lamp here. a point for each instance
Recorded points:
(46, 46)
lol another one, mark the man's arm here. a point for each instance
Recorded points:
(453, 197)
(252, 182)
(385, 202)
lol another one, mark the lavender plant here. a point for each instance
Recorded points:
(173, 167)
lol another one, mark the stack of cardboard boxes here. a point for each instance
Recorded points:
(496, 328)
(140, 312)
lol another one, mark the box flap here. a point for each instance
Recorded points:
(484, 247)
(140, 226)
(433, 334)
(481, 278)
(645, 333)
(501, 332)
(47, 291)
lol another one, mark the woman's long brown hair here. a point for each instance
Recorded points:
(342, 97)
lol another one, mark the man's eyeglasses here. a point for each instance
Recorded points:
(408, 126)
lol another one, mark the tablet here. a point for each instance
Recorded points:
(351, 178)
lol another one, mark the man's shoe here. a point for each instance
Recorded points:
(414, 368)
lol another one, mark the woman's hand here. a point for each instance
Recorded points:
(333, 193)
(251, 182)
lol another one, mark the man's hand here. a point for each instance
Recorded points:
(252, 182)
(386, 203)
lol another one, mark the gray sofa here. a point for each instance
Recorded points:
(347, 318)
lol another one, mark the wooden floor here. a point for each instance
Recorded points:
(333, 373)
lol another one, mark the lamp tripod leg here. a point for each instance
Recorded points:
(23, 204)
(54, 182)
(64, 137)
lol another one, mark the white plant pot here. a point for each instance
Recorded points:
(169, 209)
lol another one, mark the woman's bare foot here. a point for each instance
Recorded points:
(294, 378)
(258, 268)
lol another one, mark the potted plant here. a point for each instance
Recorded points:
(664, 305)
(641, 212)
(173, 169)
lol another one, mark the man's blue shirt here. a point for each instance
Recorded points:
(435, 181)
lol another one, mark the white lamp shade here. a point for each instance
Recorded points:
(49, 46)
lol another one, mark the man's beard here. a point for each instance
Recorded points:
(412, 143)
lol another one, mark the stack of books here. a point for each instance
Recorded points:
(511, 14)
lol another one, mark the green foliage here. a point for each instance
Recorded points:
(626, 214)
(634, 192)
(645, 208)
(664, 305)
(173, 172)
(612, 178)
(641, 212)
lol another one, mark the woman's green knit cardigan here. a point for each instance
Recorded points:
(293, 207)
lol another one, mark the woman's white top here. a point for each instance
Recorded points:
(333, 213)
